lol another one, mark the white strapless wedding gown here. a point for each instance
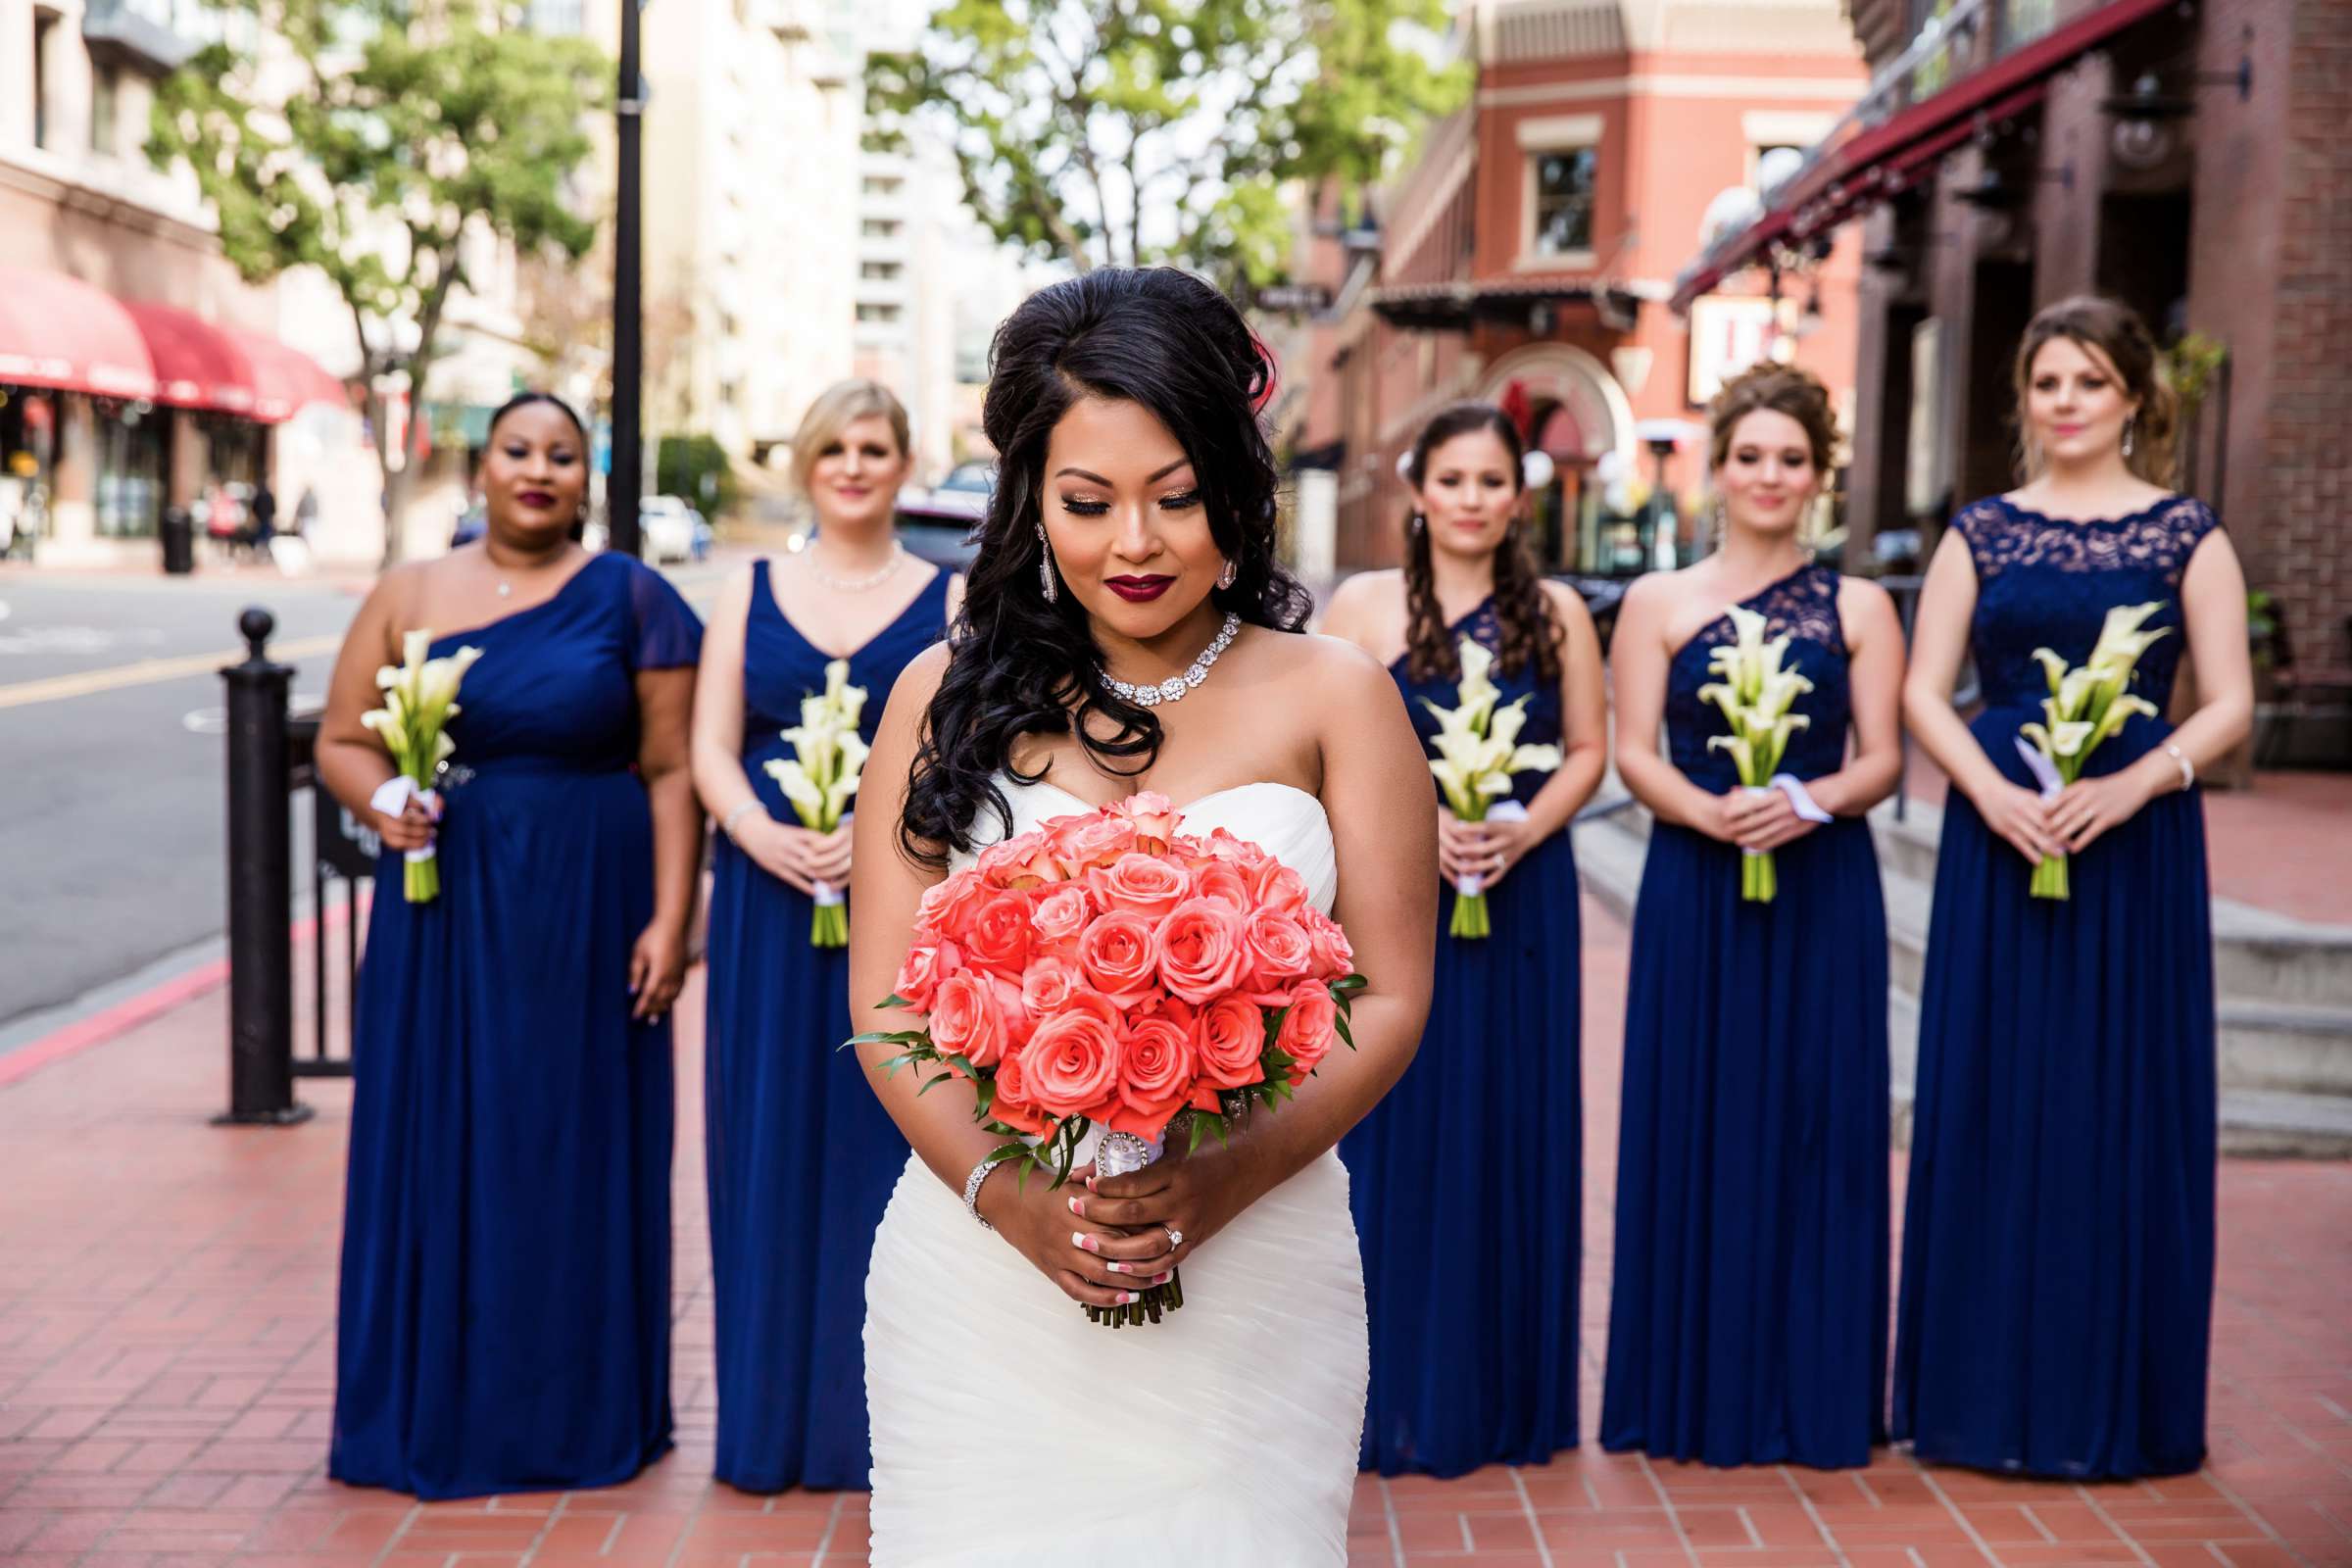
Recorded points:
(1008, 1430)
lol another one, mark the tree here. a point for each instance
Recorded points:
(1128, 131)
(371, 141)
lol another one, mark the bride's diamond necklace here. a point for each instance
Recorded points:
(1175, 686)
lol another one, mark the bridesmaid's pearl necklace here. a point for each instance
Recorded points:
(859, 585)
(1176, 686)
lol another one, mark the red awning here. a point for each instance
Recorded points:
(197, 365)
(285, 380)
(58, 332)
(1878, 161)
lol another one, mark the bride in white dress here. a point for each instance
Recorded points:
(1131, 539)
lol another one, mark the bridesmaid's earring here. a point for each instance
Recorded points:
(1045, 565)
(2128, 424)
(1227, 577)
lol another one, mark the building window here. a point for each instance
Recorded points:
(884, 314)
(880, 228)
(1563, 204)
(42, 28)
(104, 109)
(882, 271)
(562, 18)
(883, 184)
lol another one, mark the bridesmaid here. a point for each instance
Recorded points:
(2058, 1230)
(1747, 1323)
(1467, 1181)
(802, 1154)
(504, 1317)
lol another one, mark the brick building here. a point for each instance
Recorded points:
(1528, 252)
(2192, 163)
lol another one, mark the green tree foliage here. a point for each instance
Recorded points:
(370, 141)
(1123, 133)
(696, 468)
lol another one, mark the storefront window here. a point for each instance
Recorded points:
(134, 442)
(27, 421)
(236, 450)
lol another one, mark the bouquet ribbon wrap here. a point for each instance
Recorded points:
(392, 797)
(1470, 887)
(2044, 771)
(1800, 800)
(1123, 1154)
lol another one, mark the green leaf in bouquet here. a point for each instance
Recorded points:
(983, 1095)
(894, 1000)
(1015, 1150)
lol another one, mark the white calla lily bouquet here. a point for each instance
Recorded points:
(420, 698)
(1757, 697)
(820, 779)
(2086, 706)
(1478, 756)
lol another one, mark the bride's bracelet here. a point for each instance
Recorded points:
(971, 1187)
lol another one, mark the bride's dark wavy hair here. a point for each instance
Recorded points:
(1018, 665)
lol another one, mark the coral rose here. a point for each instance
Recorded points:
(920, 973)
(1153, 817)
(1280, 951)
(1309, 1029)
(1120, 954)
(1048, 983)
(1155, 1071)
(1335, 958)
(1071, 1064)
(1200, 950)
(967, 1019)
(1229, 1035)
(1280, 888)
(946, 906)
(1060, 918)
(1011, 1103)
(1019, 863)
(997, 937)
(1143, 883)
(1082, 843)
(1225, 883)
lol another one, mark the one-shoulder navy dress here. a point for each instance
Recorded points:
(1467, 1179)
(1748, 1322)
(802, 1155)
(2057, 1290)
(503, 1314)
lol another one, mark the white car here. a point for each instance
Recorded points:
(665, 523)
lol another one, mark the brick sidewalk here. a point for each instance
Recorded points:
(167, 1358)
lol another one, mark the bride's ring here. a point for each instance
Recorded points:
(1175, 1237)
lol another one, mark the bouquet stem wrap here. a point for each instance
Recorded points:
(1759, 880)
(1470, 920)
(1478, 754)
(420, 869)
(1756, 692)
(420, 698)
(1123, 1154)
(820, 778)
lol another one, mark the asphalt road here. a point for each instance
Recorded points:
(113, 837)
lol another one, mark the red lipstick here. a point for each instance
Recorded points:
(1138, 590)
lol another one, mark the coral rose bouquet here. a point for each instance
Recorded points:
(1107, 971)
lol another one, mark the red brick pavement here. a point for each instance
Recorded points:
(165, 1369)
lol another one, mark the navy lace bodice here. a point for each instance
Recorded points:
(1542, 726)
(1804, 605)
(2045, 582)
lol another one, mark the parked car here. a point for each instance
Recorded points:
(941, 532)
(671, 532)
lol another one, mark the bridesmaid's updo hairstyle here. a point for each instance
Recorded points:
(1778, 389)
(1018, 665)
(1522, 612)
(835, 408)
(524, 400)
(2114, 332)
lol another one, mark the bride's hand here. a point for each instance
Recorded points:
(1096, 1264)
(1194, 1195)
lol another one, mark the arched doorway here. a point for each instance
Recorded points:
(1577, 417)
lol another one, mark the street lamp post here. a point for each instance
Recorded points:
(626, 482)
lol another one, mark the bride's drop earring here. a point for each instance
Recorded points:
(1045, 565)
(1227, 577)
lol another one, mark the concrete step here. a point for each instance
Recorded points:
(2257, 954)
(2284, 1065)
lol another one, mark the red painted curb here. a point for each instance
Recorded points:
(112, 1023)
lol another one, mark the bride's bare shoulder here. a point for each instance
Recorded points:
(1324, 668)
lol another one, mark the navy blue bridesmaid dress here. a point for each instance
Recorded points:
(1747, 1321)
(504, 1315)
(2057, 1287)
(1466, 1180)
(802, 1157)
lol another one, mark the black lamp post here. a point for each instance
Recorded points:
(626, 482)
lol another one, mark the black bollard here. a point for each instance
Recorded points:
(260, 888)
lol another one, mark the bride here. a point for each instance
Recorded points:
(1131, 540)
